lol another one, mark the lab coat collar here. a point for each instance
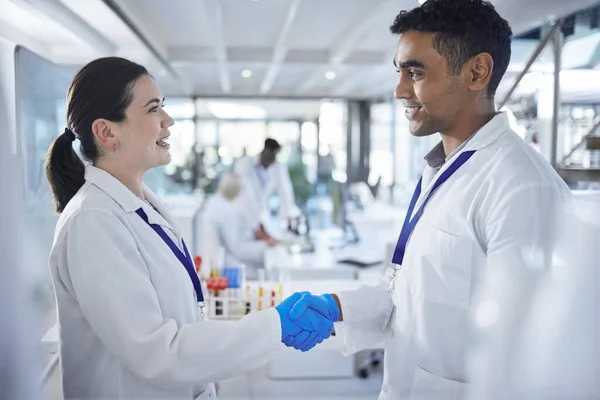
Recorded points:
(488, 133)
(128, 201)
(113, 187)
(484, 137)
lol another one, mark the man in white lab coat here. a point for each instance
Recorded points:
(237, 237)
(486, 198)
(263, 178)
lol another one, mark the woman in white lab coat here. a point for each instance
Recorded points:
(225, 214)
(129, 302)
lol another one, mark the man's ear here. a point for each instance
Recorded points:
(479, 71)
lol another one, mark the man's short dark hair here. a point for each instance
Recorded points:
(464, 28)
(272, 144)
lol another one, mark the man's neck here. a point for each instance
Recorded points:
(451, 140)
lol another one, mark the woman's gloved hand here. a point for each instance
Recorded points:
(308, 329)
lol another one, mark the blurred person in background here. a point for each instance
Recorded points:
(242, 244)
(263, 178)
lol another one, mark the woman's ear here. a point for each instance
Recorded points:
(105, 137)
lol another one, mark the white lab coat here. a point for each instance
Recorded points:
(130, 327)
(236, 234)
(497, 209)
(255, 195)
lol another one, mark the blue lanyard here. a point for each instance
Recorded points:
(186, 260)
(409, 224)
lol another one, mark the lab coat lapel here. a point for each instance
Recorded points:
(486, 136)
(163, 217)
(129, 201)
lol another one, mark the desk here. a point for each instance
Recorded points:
(323, 263)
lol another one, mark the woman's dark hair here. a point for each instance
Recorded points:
(101, 89)
(463, 28)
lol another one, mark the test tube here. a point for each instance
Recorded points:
(248, 300)
(260, 297)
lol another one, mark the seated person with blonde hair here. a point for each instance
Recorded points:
(242, 245)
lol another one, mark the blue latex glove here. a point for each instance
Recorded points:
(324, 304)
(307, 330)
(310, 320)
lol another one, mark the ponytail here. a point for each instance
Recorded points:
(64, 170)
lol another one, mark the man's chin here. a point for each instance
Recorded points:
(419, 130)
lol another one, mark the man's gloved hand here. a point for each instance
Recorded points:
(308, 329)
(324, 304)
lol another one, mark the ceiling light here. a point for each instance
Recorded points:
(246, 73)
(231, 110)
(330, 75)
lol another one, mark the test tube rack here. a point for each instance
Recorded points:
(235, 303)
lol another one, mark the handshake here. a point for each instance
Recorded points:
(306, 319)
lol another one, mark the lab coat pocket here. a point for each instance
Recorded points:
(427, 386)
(445, 267)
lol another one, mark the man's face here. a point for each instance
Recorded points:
(432, 96)
(267, 157)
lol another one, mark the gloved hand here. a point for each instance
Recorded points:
(308, 328)
(324, 304)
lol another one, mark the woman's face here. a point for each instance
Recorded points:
(142, 137)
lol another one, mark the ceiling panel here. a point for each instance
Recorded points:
(199, 75)
(320, 24)
(290, 76)
(252, 23)
(178, 23)
(237, 80)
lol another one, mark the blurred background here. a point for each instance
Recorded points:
(316, 75)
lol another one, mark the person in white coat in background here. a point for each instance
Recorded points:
(130, 304)
(265, 177)
(485, 199)
(224, 214)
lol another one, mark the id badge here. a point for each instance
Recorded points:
(391, 307)
(201, 308)
(388, 316)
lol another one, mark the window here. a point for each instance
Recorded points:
(382, 144)
(41, 88)
(332, 135)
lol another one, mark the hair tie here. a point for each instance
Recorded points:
(70, 134)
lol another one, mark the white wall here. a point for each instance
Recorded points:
(36, 229)
(19, 327)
